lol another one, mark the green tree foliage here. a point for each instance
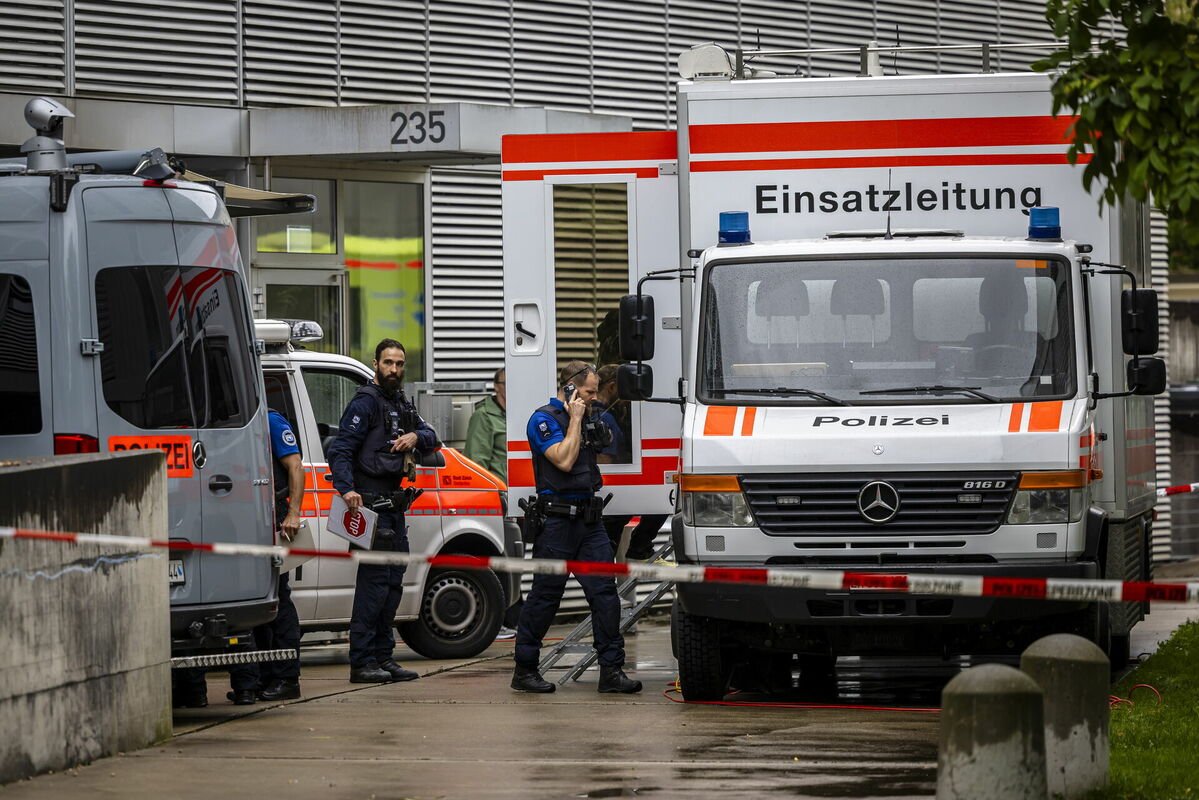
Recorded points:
(1137, 101)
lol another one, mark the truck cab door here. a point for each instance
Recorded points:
(578, 234)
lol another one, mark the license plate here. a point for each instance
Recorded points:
(175, 574)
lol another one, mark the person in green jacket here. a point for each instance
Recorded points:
(487, 433)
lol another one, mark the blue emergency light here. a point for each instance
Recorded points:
(734, 227)
(1044, 222)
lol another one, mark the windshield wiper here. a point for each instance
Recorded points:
(786, 390)
(972, 390)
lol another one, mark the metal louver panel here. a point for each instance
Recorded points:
(32, 46)
(692, 22)
(466, 310)
(838, 24)
(909, 24)
(631, 75)
(967, 22)
(291, 52)
(551, 53)
(383, 51)
(132, 48)
(1022, 22)
(774, 26)
(1159, 276)
(470, 51)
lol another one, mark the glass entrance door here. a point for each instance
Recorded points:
(314, 294)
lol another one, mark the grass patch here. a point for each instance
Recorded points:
(1155, 749)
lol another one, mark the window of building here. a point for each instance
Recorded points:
(177, 347)
(385, 263)
(301, 233)
(20, 390)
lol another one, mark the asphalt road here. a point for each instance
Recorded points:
(460, 732)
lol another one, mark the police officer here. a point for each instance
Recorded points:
(378, 435)
(567, 476)
(277, 680)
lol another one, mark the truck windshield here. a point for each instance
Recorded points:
(879, 331)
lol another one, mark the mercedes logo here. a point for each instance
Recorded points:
(877, 449)
(878, 502)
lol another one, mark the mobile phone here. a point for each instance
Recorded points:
(568, 390)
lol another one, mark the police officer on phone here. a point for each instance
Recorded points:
(379, 434)
(565, 439)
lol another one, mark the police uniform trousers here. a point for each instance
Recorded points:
(281, 633)
(376, 598)
(577, 541)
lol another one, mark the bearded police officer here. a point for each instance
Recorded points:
(564, 439)
(378, 437)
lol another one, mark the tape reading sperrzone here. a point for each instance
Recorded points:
(821, 580)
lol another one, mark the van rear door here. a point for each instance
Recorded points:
(143, 391)
(226, 384)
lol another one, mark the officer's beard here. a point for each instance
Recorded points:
(390, 385)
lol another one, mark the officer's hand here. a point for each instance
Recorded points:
(353, 500)
(404, 443)
(577, 408)
(290, 526)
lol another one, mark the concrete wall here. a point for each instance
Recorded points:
(85, 637)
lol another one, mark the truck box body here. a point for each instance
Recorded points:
(847, 316)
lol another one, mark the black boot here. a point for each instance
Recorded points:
(369, 673)
(280, 690)
(398, 673)
(242, 697)
(614, 681)
(528, 679)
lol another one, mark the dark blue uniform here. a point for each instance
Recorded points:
(567, 539)
(368, 423)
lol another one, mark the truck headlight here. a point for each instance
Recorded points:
(714, 501)
(1049, 497)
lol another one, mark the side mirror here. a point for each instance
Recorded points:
(1138, 319)
(636, 329)
(1147, 376)
(635, 381)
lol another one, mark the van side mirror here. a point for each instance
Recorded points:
(636, 327)
(1147, 376)
(1138, 320)
(635, 381)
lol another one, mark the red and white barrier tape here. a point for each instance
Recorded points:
(1072, 589)
(1183, 489)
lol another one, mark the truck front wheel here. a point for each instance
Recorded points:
(704, 669)
(460, 614)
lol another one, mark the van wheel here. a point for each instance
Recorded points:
(460, 614)
(704, 669)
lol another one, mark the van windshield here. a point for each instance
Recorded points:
(881, 331)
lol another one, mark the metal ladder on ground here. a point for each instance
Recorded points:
(577, 642)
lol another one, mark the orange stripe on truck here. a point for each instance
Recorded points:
(1045, 416)
(720, 420)
(747, 421)
(1013, 425)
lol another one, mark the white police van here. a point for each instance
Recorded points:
(444, 613)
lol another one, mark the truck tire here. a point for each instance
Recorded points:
(460, 614)
(704, 669)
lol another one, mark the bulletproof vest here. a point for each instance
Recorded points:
(584, 477)
(392, 418)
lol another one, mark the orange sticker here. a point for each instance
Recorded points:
(177, 448)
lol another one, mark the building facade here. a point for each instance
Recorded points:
(390, 112)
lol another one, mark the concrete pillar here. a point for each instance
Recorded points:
(992, 736)
(1075, 676)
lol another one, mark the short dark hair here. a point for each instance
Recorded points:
(573, 370)
(387, 344)
(607, 373)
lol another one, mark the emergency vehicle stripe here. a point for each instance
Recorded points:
(1071, 589)
(962, 160)
(768, 137)
(1014, 423)
(720, 420)
(747, 422)
(1045, 416)
(555, 148)
(538, 174)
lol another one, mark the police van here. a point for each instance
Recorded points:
(125, 324)
(462, 510)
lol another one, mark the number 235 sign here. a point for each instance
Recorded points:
(425, 128)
